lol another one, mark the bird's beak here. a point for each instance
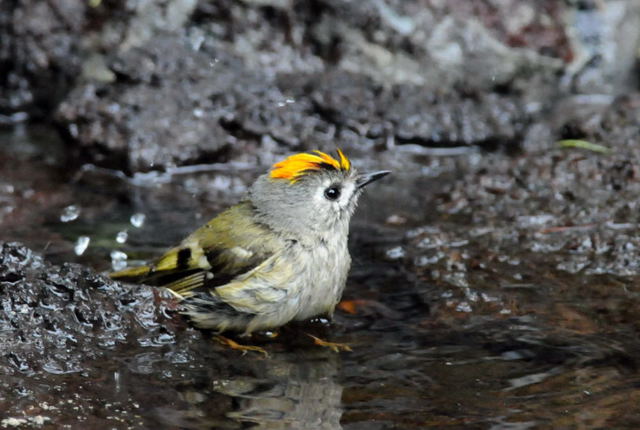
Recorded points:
(367, 178)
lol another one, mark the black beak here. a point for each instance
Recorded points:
(367, 178)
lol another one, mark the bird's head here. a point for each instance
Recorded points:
(310, 192)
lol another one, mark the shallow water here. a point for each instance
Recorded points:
(446, 331)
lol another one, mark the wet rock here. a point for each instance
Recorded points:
(70, 338)
(436, 47)
(604, 42)
(486, 120)
(48, 47)
(56, 318)
(165, 108)
(610, 121)
(572, 208)
(39, 52)
(514, 49)
(247, 78)
(172, 105)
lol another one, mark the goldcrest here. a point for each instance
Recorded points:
(277, 256)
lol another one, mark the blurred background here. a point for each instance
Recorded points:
(495, 277)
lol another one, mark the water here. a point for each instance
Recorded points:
(81, 245)
(70, 213)
(448, 329)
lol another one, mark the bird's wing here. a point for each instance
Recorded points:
(228, 246)
(261, 288)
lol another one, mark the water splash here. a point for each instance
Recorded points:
(137, 219)
(285, 102)
(122, 236)
(81, 245)
(70, 213)
(118, 260)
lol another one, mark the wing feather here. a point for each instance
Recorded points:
(230, 245)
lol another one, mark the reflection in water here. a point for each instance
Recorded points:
(283, 391)
(296, 394)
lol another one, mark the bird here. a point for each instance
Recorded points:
(279, 255)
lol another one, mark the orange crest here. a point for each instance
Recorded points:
(297, 165)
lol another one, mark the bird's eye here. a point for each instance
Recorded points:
(332, 193)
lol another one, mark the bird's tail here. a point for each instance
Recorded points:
(131, 274)
(180, 281)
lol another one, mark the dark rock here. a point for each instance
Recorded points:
(55, 319)
(165, 108)
(566, 209)
(72, 340)
(39, 43)
(245, 78)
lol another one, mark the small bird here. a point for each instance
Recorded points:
(277, 256)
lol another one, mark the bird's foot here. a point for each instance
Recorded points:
(235, 345)
(334, 346)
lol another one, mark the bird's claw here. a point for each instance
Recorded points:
(244, 348)
(334, 346)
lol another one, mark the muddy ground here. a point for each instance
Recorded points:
(495, 272)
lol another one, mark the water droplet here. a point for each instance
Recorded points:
(285, 102)
(117, 381)
(396, 219)
(198, 113)
(81, 245)
(196, 41)
(137, 220)
(118, 260)
(122, 236)
(113, 108)
(73, 130)
(70, 213)
(395, 253)
(464, 307)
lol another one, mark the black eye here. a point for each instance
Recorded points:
(332, 193)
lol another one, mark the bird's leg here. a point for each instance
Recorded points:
(334, 346)
(235, 345)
